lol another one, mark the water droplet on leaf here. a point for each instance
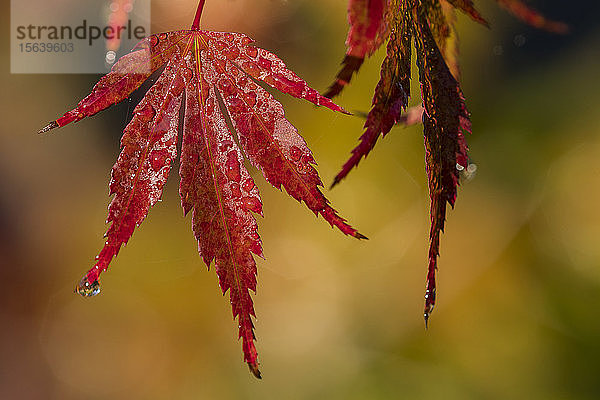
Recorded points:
(248, 185)
(158, 159)
(235, 190)
(233, 167)
(295, 153)
(252, 204)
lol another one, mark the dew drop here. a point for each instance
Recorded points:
(205, 89)
(158, 159)
(188, 73)
(430, 296)
(147, 112)
(295, 153)
(233, 167)
(231, 53)
(469, 172)
(220, 45)
(250, 98)
(252, 51)
(251, 68)
(308, 159)
(226, 144)
(210, 106)
(519, 40)
(252, 204)
(221, 65)
(87, 289)
(242, 81)
(248, 185)
(263, 62)
(293, 87)
(235, 104)
(235, 190)
(110, 57)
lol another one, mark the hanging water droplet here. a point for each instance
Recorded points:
(469, 172)
(110, 57)
(87, 289)
(519, 40)
(429, 304)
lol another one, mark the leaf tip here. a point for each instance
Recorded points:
(344, 111)
(350, 65)
(429, 305)
(561, 28)
(254, 369)
(49, 127)
(483, 21)
(360, 236)
(336, 180)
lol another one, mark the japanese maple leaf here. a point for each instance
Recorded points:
(213, 76)
(369, 29)
(430, 25)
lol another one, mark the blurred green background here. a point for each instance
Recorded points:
(519, 275)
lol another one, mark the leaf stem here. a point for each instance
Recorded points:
(196, 24)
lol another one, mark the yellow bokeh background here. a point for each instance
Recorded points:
(519, 274)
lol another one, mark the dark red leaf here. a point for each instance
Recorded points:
(391, 93)
(444, 114)
(444, 120)
(368, 31)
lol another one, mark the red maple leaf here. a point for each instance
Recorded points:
(213, 75)
(430, 24)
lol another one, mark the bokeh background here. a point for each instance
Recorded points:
(519, 275)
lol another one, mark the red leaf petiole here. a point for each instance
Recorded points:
(196, 23)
